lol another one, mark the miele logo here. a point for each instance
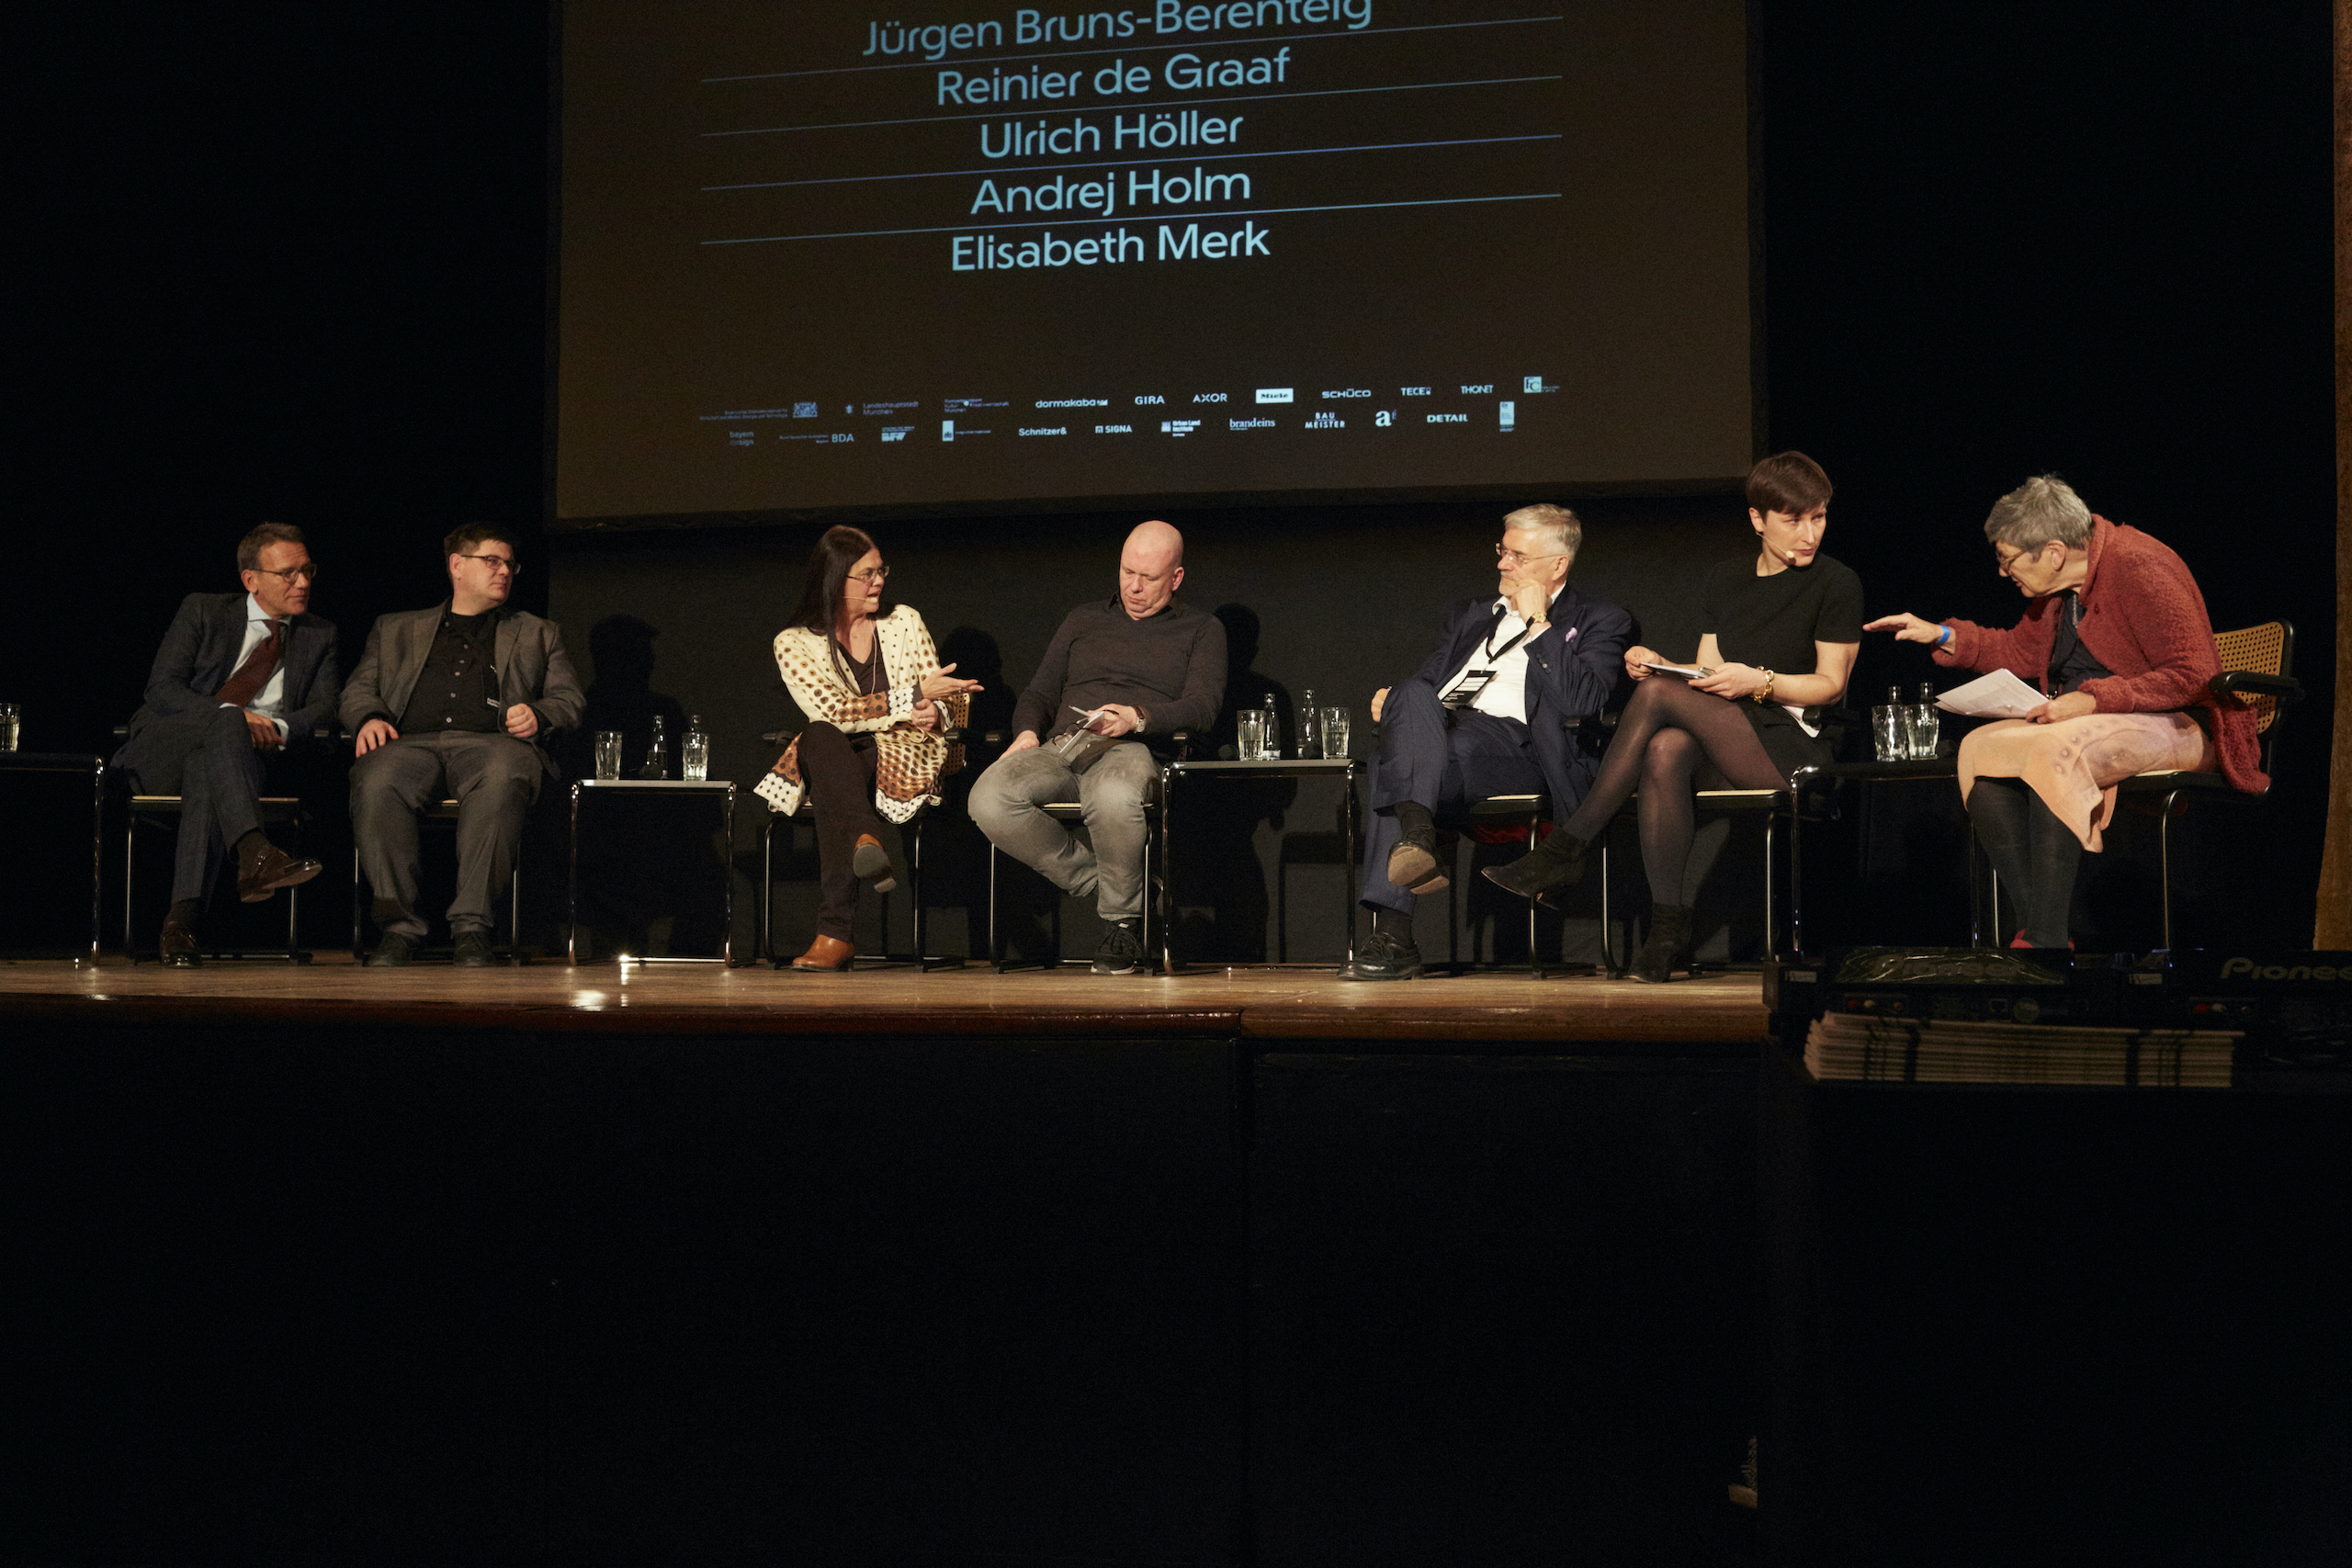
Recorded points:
(2249, 969)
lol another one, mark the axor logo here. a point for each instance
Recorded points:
(2248, 968)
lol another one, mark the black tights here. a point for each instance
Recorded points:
(2035, 854)
(1671, 742)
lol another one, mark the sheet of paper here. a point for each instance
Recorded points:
(1997, 695)
(1688, 671)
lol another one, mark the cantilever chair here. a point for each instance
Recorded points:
(1155, 915)
(163, 811)
(2257, 672)
(911, 832)
(441, 811)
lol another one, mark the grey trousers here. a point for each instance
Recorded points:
(1110, 794)
(495, 779)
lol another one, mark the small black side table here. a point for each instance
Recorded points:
(95, 769)
(1343, 769)
(719, 790)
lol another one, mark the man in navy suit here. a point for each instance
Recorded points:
(1493, 711)
(240, 677)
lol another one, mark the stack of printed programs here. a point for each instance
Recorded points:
(1897, 1050)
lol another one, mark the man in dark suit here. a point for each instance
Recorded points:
(459, 700)
(1493, 711)
(240, 677)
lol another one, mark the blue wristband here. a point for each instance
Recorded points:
(1944, 639)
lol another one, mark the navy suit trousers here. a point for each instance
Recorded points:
(1443, 759)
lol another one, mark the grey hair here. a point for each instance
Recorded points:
(261, 536)
(2043, 508)
(1561, 531)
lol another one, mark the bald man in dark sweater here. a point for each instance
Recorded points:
(1116, 675)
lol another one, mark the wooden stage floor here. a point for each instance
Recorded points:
(1267, 1004)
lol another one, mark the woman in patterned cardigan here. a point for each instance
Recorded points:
(879, 705)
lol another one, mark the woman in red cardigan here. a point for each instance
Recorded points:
(2116, 633)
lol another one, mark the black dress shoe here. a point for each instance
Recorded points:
(1412, 865)
(1383, 957)
(394, 952)
(177, 946)
(474, 951)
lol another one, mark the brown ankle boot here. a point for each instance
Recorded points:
(871, 862)
(826, 955)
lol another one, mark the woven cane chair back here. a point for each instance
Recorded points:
(2262, 650)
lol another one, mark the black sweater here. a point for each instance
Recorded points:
(1172, 665)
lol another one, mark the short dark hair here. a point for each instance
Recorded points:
(466, 534)
(1788, 482)
(259, 537)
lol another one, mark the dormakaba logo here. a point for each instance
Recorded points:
(2247, 969)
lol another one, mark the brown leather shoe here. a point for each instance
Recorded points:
(177, 947)
(260, 874)
(826, 955)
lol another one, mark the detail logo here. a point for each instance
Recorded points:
(1274, 394)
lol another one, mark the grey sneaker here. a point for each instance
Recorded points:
(1122, 949)
(394, 952)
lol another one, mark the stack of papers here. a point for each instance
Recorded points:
(1892, 1050)
(1997, 695)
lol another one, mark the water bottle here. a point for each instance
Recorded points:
(657, 762)
(1273, 731)
(1309, 732)
(695, 750)
(1926, 727)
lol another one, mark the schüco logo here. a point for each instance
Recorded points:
(2248, 969)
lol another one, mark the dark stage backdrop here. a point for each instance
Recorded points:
(292, 265)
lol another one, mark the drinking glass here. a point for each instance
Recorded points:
(608, 753)
(1251, 745)
(7, 727)
(1887, 728)
(1334, 732)
(1920, 731)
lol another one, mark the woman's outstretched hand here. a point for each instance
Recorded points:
(942, 683)
(1907, 628)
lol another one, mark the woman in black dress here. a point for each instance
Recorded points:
(1784, 628)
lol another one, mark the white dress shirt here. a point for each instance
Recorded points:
(270, 700)
(1505, 696)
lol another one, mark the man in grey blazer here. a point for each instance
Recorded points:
(458, 701)
(240, 677)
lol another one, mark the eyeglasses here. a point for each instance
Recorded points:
(496, 564)
(875, 575)
(1512, 557)
(307, 570)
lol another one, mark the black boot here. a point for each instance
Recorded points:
(1556, 863)
(1669, 946)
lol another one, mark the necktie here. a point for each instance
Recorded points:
(255, 672)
